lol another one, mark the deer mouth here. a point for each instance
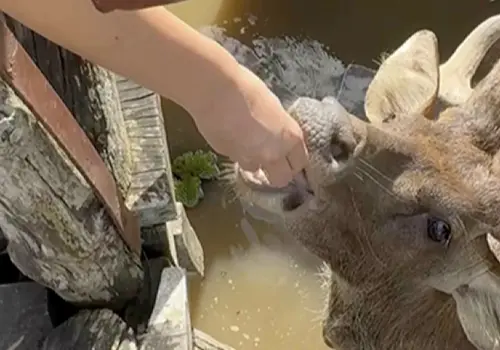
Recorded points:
(254, 188)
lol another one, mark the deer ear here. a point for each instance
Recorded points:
(478, 309)
(407, 82)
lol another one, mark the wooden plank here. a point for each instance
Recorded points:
(151, 194)
(165, 226)
(59, 234)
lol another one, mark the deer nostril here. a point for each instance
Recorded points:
(340, 150)
(292, 201)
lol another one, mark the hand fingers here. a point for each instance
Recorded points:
(278, 173)
(248, 166)
(298, 158)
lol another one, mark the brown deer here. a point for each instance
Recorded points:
(404, 210)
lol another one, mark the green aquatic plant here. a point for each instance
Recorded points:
(202, 164)
(188, 191)
(189, 170)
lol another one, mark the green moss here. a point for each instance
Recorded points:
(190, 169)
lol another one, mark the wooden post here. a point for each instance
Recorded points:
(59, 233)
(90, 93)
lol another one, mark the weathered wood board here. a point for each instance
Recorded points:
(90, 93)
(59, 234)
(165, 226)
(151, 193)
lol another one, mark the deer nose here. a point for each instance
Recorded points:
(326, 339)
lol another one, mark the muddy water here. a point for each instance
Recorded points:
(261, 290)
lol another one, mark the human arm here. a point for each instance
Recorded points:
(151, 46)
(231, 107)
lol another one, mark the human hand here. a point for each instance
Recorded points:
(248, 124)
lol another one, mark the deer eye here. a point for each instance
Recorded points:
(438, 230)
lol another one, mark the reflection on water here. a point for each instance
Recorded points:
(261, 289)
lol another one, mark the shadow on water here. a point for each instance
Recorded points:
(261, 289)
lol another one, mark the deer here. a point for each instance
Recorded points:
(403, 209)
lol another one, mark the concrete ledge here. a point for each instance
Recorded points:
(169, 326)
(185, 247)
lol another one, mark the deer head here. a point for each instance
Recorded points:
(402, 209)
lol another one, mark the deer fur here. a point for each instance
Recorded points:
(373, 191)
